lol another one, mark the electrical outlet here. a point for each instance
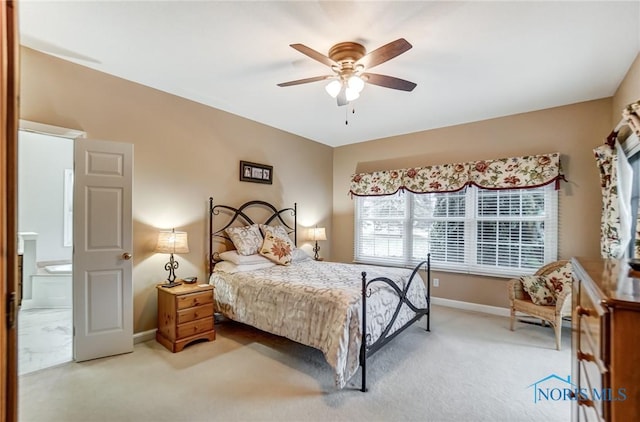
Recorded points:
(436, 282)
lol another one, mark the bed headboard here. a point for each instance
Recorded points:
(252, 212)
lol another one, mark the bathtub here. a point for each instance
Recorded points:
(44, 284)
(59, 269)
(51, 291)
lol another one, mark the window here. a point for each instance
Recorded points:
(491, 232)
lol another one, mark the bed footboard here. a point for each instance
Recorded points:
(386, 336)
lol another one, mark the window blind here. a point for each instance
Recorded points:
(490, 232)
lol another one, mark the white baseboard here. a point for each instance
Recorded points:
(493, 310)
(144, 336)
(468, 306)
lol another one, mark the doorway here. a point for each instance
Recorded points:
(45, 209)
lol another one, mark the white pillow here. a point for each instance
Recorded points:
(298, 255)
(236, 258)
(246, 239)
(231, 268)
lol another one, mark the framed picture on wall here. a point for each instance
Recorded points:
(256, 173)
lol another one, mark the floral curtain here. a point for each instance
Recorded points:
(631, 114)
(616, 193)
(505, 173)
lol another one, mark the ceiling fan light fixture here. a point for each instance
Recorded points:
(355, 83)
(333, 88)
(352, 94)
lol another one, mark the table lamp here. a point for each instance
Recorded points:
(172, 242)
(317, 233)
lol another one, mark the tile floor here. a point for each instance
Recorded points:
(44, 338)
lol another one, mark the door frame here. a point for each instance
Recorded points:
(9, 112)
(53, 131)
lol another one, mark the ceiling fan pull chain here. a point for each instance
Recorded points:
(346, 115)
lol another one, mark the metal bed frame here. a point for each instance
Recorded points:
(366, 351)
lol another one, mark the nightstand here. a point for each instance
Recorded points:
(185, 314)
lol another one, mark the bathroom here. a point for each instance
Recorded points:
(45, 221)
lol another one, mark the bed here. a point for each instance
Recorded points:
(315, 303)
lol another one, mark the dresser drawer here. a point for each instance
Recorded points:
(195, 327)
(591, 337)
(194, 299)
(590, 316)
(591, 387)
(196, 312)
(588, 413)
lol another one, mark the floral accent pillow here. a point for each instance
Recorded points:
(279, 231)
(247, 239)
(560, 280)
(276, 248)
(537, 288)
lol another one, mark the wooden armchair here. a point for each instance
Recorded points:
(521, 302)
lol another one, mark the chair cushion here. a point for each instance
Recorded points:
(560, 279)
(536, 286)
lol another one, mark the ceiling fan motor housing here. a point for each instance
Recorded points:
(346, 54)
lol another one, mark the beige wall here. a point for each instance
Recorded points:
(184, 153)
(628, 91)
(572, 130)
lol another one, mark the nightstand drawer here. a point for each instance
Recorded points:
(194, 299)
(195, 327)
(197, 312)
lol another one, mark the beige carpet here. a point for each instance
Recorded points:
(470, 367)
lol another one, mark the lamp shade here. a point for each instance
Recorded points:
(172, 242)
(333, 88)
(317, 233)
(356, 83)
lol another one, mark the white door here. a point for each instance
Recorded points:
(102, 239)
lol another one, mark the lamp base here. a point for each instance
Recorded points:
(171, 284)
(316, 249)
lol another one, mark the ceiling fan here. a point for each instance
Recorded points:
(350, 63)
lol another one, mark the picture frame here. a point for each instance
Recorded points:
(256, 173)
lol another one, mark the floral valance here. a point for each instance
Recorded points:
(505, 173)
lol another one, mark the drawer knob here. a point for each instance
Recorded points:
(585, 402)
(586, 356)
(584, 311)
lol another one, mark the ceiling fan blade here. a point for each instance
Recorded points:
(388, 81)
(314, 54)
(306, 80)
(384, 53)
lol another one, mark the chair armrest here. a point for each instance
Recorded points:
(563, 303)
(515, 289)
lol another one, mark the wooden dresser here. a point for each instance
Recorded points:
(606, 341)
(185, 314)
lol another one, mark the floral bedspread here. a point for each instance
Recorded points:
(317, 304)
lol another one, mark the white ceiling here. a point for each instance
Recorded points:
(471, 60)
